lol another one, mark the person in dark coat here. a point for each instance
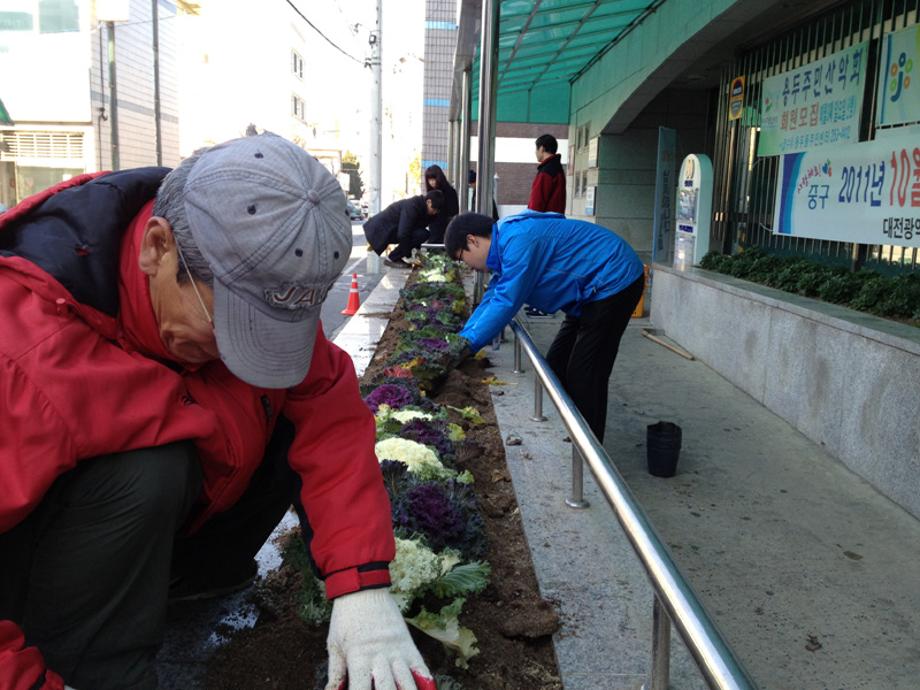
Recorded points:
(471, 181)
(548, 190)
(403, 223)
(435, 179)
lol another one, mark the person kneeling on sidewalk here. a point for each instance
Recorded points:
(553, 263)
(404, 223)
(167, 394)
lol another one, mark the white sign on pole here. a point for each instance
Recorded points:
(867, 193)
(814, 105)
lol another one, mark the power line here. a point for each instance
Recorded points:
(328, 40)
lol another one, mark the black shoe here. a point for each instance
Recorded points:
(209, 585)
(533, 311)
(396, 264)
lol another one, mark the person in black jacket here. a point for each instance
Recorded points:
(435, 179)
(403, 223)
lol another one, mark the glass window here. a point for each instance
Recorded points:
(16, 21)
(58, 16)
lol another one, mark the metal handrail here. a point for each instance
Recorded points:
(713, 656)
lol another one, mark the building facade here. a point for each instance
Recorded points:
(57, 90)
(440, 45)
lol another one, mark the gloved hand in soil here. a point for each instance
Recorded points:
(369, 642)
(459, 353)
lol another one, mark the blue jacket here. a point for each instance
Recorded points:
(552, 263)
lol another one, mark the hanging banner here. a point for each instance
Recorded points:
(898, 96)
(867, 193)
(663, 209)
(814, 105)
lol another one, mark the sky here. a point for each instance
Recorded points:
(347, 23)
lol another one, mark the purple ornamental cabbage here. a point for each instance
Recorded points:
(445, 513)
(389, 394)
(430, 433)
(434, 344)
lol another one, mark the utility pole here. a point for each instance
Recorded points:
(375, 171)
(156, 80)
(113, 95)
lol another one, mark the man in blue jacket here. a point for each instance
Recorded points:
(553, 263)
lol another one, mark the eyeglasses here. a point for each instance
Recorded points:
(188, 272)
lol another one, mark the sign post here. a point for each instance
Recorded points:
(694, 210)
(736, 98)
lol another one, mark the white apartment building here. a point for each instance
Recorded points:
(262, 65)
(54, 82)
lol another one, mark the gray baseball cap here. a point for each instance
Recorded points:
(271, 222)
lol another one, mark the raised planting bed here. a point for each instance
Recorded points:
(462, 573)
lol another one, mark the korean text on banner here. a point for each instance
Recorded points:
(867, 193)
(814, 105)
(898, 96)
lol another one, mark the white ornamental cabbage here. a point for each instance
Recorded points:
(417, 457)
(406, 416)
(414, 567)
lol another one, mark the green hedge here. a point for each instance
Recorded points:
(892, 297)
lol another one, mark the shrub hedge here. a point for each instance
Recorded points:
(896, 297)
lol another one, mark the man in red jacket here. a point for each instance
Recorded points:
(166, 394)
(548, 190)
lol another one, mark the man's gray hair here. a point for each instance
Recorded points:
(170, 204)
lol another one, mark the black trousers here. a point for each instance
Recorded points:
(585, 348)
(86, 575)
(404, 248)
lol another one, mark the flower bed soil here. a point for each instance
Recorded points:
(512, 622)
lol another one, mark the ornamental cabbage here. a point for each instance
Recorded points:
(430, 432)
(414, 568)
(417, 457)
(407, 416)
(445, 513)
(389, 394)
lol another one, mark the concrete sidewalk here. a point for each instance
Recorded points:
(812, 576)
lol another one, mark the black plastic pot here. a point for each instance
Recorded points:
(662, 444)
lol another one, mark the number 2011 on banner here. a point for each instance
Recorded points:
(865, 183)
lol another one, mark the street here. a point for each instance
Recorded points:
(332, 318)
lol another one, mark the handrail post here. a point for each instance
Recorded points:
(675, 602)
(518, 368)
(577, 499)
(661, 647)
(537, 399)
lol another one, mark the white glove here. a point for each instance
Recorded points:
(368, 639)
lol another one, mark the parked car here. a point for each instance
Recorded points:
(354, 211)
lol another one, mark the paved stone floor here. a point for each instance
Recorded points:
(811, 574)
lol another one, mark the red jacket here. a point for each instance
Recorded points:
(548, 190)
(76, 383)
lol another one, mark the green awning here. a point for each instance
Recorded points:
(5, 118)
(543, 44)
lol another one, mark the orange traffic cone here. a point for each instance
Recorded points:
(353, 300)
